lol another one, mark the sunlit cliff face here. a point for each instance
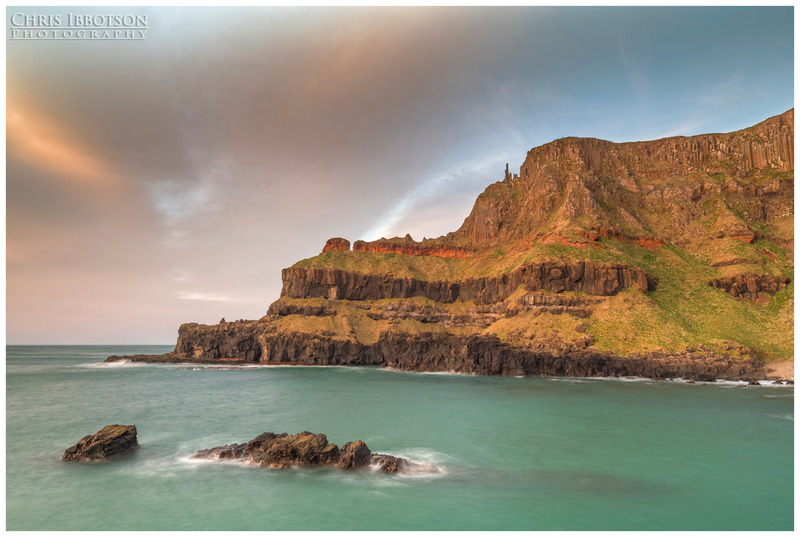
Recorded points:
(169, 180)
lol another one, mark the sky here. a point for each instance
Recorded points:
(168, 180)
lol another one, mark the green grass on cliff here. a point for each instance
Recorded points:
(682, 312)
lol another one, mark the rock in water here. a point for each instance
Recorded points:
(303, 449)
(354, 455)
(109, 441)
(389, 463)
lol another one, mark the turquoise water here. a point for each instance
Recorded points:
(501, 453)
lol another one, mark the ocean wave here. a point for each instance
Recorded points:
(396, 370)
(789, 417)
(423, 463)
(116, 364)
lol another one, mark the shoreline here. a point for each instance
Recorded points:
(171, 359)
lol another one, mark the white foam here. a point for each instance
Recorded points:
(618, 379)
(423, 463)
(116, 364)
(192, 461)
(451, 372)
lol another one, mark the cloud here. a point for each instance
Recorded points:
(213, 297)
(43, 144)
(438, 203)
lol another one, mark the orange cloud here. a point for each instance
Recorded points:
(44, 144)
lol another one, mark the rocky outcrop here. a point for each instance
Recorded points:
(237, 339)
(629, 187)
(745, 235)
(486, 314)
(756, 287)
(407, 246)
(312, 349)
(581, 276)
(282, 309)
(770, 144)
(647, 241)
(337, 244)
(110, 441)
(487, 355)
(556, 304)
(304, 449)
(354, 455)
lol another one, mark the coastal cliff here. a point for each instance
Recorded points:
(582, 276)
(668, 258)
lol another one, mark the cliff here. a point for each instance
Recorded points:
(577, 183)
(581, 276)
(666, 258)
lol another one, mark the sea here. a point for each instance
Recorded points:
(494, 453)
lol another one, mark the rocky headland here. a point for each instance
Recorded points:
(663, 259)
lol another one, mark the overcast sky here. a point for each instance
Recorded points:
(169, 180)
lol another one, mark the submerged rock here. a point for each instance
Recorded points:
(303, 449)
(108, 442)
(389, 463)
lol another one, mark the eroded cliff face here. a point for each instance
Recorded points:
(583, 276)
(770, 144)
(226, 340)
(432, 352)
(408, 246)
(577, 183)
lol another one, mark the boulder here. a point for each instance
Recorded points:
(110, 441)
(303, 449)
(354, 455)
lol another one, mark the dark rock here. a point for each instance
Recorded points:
(302, 449)
(582, 276)
(282, 309)
(753, 382)
(475, 354)
(354, 455)
(110, 441)
(756, 287)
